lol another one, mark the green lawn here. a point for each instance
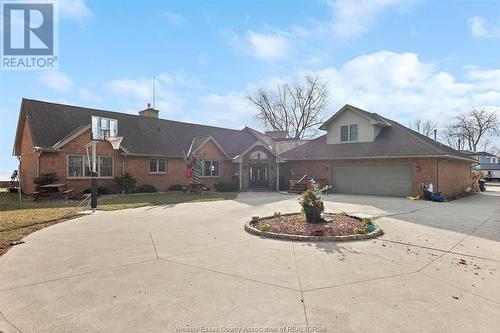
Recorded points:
(15, 223)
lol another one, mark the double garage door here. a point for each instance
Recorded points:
(389, 179)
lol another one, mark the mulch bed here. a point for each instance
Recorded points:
(335, 225)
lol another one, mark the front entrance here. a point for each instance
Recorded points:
(258, 176)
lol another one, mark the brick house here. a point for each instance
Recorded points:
(361, 152)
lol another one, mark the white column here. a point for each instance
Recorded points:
(277, 176)
(239, 174)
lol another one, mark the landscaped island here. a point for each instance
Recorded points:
(312, 223)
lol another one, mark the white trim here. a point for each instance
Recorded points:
(352, 108)
(70, 137)
(239, 158)
(157, 166)
(203, 168)
(204, 143)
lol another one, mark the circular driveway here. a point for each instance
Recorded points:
(192, 267)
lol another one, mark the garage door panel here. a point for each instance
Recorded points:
(390, 179)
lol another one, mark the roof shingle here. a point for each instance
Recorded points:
(50, 122)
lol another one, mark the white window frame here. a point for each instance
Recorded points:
(349, 133)
(212, 171)
(157, 172)
(84, 159)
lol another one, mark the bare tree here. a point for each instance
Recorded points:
(425, 127)
(453, 137)
(294, 108)
(476, 126)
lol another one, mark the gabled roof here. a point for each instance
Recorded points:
(393, 141)
(374, 118)
(263, 144)
(52, 122)
(199, 142)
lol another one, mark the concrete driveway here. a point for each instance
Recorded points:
(191, 267)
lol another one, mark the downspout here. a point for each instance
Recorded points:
(123, 164)
(19, 186)
(123, 169)
(38, 164)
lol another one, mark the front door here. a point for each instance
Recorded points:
(258, 176)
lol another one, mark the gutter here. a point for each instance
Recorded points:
(154, 155)
(381, 157)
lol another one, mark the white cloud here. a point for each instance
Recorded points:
(353, 18)
(55, 80)
(134, 93)
(478, 27)
(402, 87)
(313, 44)
(174, 18)
(229, 109)
(87, 95)
(264, 46)
(74, 9)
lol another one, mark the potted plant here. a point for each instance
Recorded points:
(312, 202)
(369, 225)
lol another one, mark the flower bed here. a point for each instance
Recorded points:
(295, 227)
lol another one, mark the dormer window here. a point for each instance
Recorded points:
(349, 133)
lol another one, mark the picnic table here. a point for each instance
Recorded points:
(53, 191)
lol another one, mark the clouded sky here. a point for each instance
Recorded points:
(403, 59)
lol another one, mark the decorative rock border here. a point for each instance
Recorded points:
(254, 231)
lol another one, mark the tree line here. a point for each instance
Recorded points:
(298, 109)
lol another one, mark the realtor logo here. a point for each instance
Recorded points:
(29, 36)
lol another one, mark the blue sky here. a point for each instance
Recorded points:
(403, 59)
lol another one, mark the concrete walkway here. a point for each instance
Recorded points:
(191, 267)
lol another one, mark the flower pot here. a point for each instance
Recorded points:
(313, 214)
(309, 214)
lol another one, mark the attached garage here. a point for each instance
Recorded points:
(390, 179)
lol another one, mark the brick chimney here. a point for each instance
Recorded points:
(149, 112)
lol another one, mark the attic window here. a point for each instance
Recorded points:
(258, 155)
(349, 133)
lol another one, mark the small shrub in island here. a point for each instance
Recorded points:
(312, 202)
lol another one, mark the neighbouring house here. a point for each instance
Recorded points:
(488, 164)
(361, 152)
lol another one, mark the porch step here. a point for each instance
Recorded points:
(298, 188)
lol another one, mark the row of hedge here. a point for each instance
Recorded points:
(127, 184)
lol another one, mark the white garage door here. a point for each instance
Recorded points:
(390, 179)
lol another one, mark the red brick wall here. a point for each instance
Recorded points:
(213, 152)
(58, 163)
(137, 166)
(29, 160)
(318, 169)
(454, 176)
